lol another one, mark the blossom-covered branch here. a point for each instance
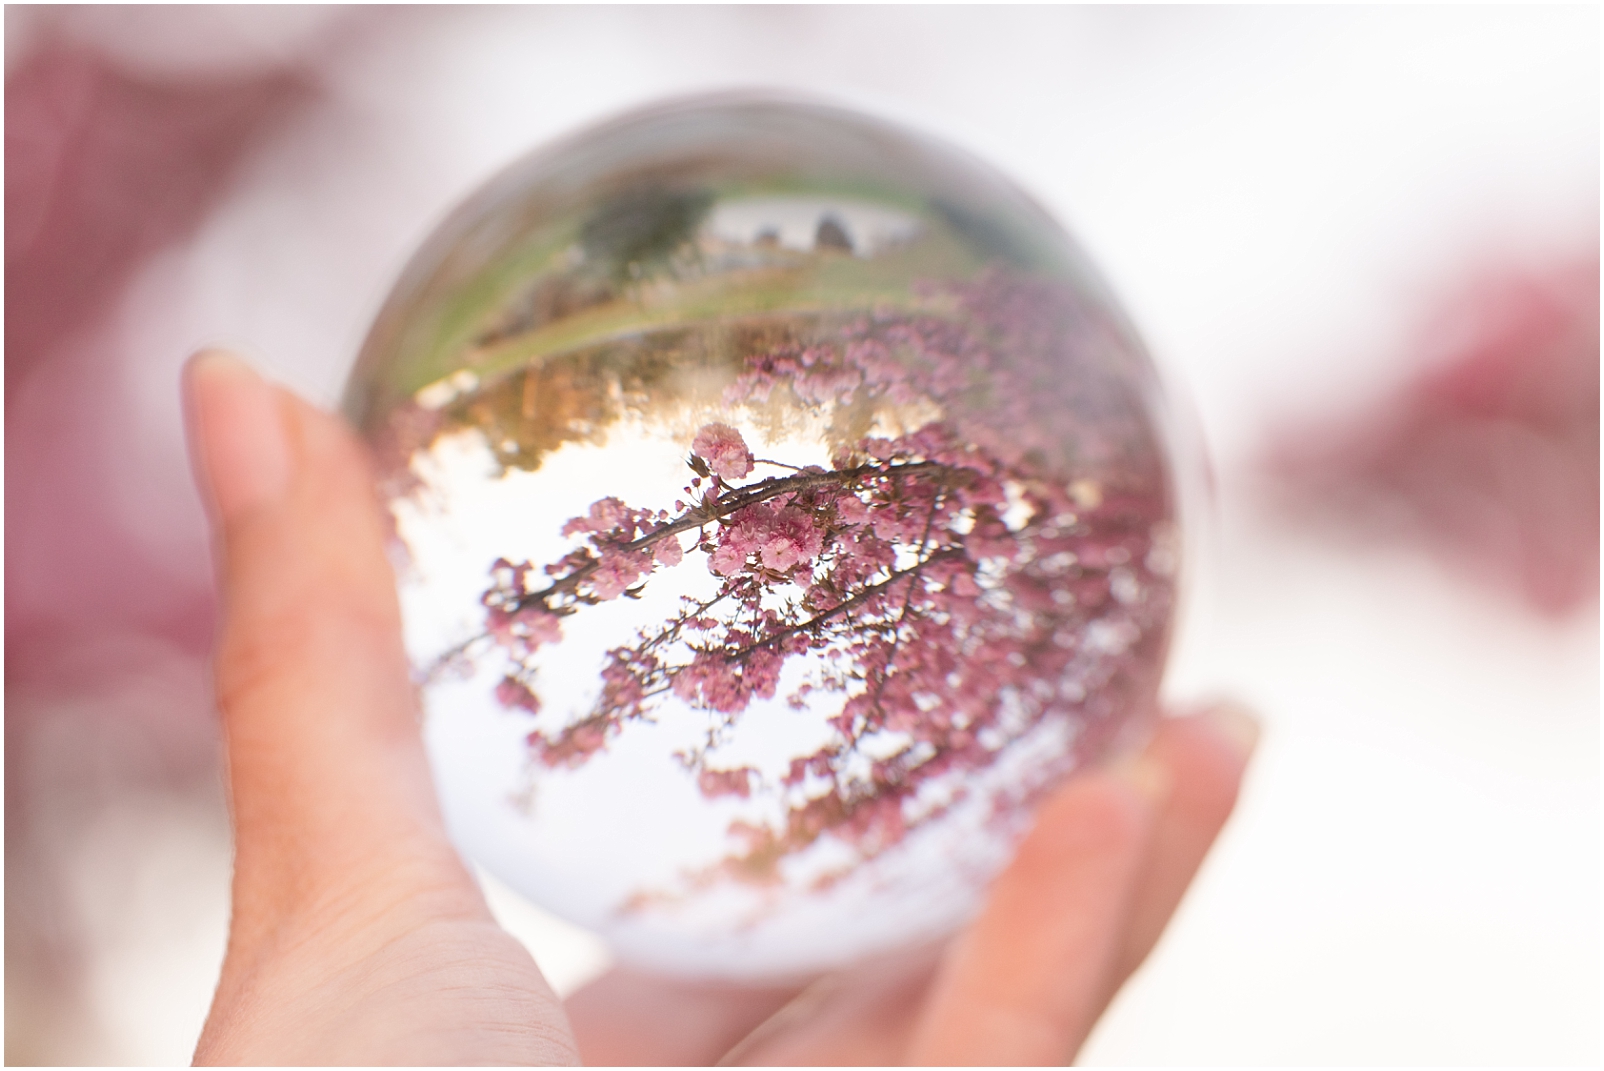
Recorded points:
(942, 592)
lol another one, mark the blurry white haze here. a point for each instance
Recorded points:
(1318, 218)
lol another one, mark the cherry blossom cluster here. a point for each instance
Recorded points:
(944, 590)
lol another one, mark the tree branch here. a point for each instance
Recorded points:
(847, 605)
(724, 506)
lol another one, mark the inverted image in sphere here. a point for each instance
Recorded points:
(781, 508)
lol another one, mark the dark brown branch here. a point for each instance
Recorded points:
(724, 507)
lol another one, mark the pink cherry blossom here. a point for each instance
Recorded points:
(512, 692)
(715, 783)
(669, 553)
(724, 450)
(617, 571)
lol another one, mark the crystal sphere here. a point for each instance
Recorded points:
(781, 509)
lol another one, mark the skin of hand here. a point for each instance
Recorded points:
(358, 936)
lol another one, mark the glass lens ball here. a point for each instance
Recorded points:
(781, 509)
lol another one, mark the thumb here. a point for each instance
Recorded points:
(330, 789)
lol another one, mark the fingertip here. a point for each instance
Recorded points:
(1237, 725)
(1205, 755)
(319, 556)
(1020, 984)
(1099, 819)
(239, 444)
(1209, 750)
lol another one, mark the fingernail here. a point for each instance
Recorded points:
(1150, 780)
(1237, 723)
(237, 435)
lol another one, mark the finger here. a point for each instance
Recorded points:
(630, 1018)
(868, 1017)
(1204, 757)
(329, 786)
(861, 1016)
(1022, 985)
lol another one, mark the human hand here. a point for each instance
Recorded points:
(358, 936)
